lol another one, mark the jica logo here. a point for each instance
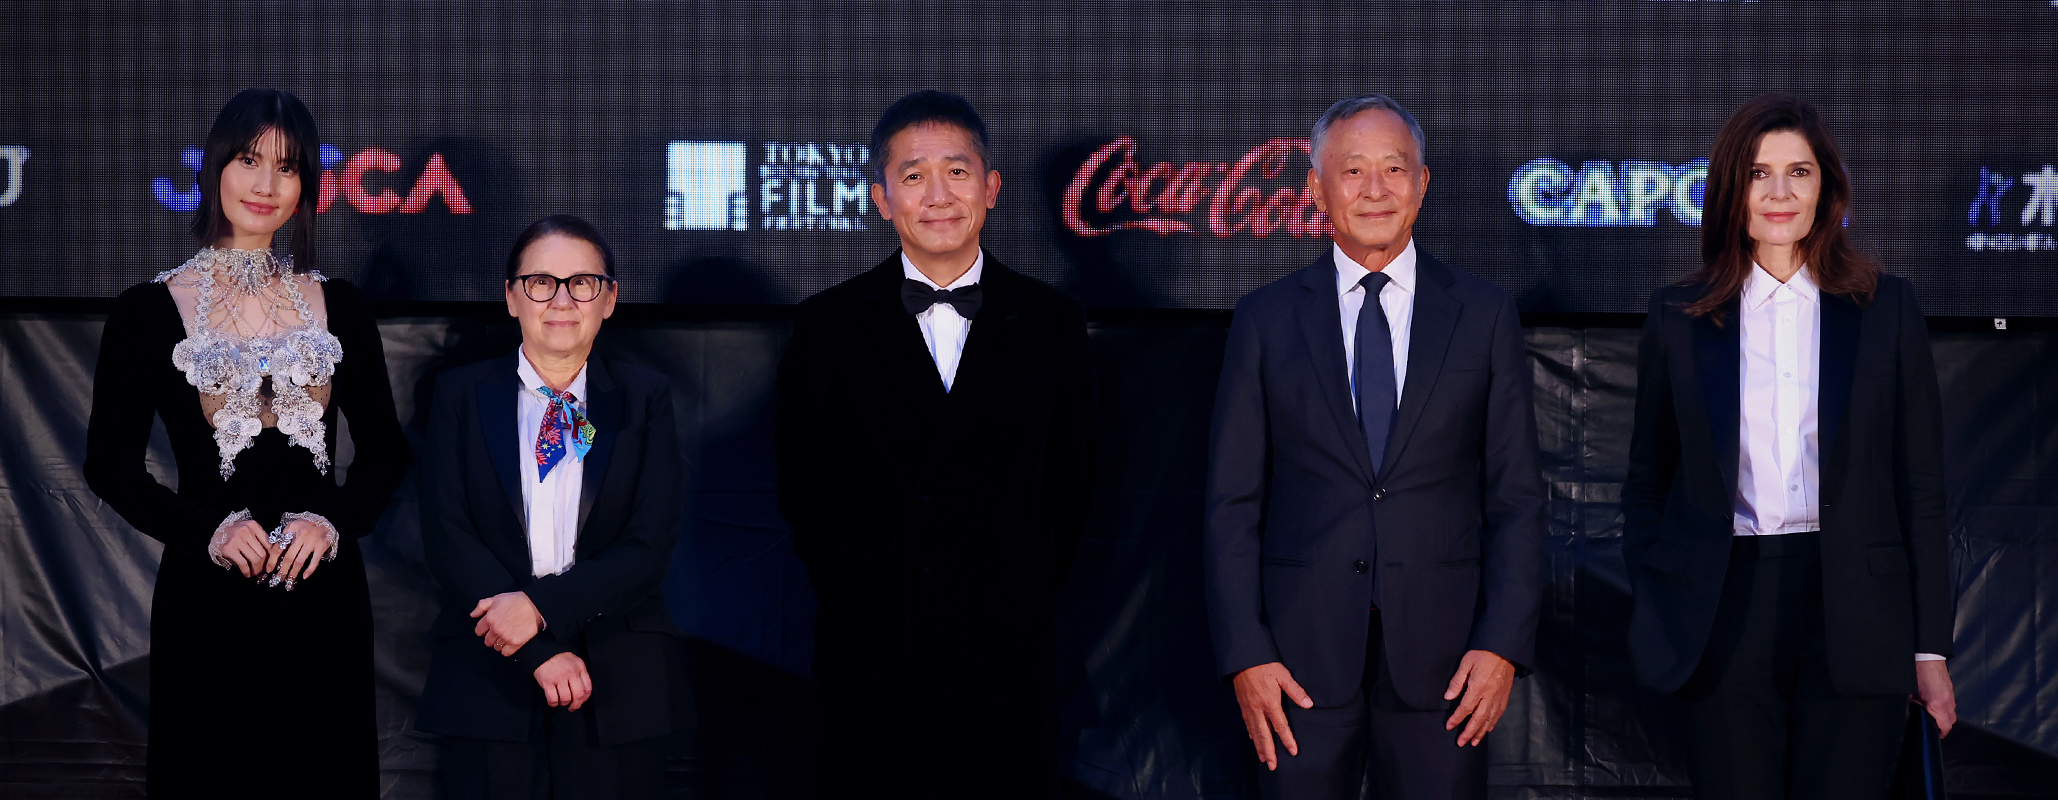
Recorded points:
(358, 184)
(1547, 191)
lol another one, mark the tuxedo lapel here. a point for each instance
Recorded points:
(900, 336)
(989, 342)
(1839, 357)
(1322, 329)
(604, 410)
(1717, 351)
(496, 398)
(1429, 339)
(987, 339)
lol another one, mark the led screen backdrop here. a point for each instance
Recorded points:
(1153, 153)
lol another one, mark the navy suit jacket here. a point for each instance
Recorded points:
(607, 608)
(1886, 589)
(1296, 513)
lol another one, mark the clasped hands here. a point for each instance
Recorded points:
(250, 549)
(509, 620)
(1484, 679)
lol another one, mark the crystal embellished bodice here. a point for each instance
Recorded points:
(251, 369)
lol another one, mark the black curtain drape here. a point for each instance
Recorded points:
(1145, 716)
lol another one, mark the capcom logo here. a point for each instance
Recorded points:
(1547, 191)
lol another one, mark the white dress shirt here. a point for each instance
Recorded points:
(1779, 457)
(551, 506)
(1397, 299)
(942, 329)
(1779, 460)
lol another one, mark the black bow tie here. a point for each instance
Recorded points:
(918, 297)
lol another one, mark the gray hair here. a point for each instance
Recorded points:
(1353, 106)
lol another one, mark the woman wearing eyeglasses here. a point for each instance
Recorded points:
(551, 500)
(261, 624)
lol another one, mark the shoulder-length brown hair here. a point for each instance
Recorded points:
(1726, 246)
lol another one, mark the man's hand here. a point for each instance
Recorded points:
(507, 621)
(1485, 679)
(1257, 693)
(564, 681)
(1933, 691)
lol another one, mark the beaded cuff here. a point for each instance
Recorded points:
(221, 537)
(335, 539)
(282, 538)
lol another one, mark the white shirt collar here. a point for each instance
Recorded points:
(531, 380)
(970, 277)
(1760, 286)
(1401, 270)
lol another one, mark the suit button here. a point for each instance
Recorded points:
(1379, 494)
(1359, 566)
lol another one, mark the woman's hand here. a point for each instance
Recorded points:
(507, 621)
(1934, 692)
(565, 681)
(249, 549)
(310, 543)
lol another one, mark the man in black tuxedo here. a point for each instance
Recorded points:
(550, 505)
(934, 455)
(1373, 529)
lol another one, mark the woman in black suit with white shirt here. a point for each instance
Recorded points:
(550, 507)
(1783, 517)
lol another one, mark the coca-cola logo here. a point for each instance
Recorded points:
(1259, 195)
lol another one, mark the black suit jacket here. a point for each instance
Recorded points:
(936, 525)
(1885, 590)
(1295, 515)
(607, 608)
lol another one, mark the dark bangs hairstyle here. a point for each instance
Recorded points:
(1726, 246)
(248, 117)
(928, 107)
(560, 225)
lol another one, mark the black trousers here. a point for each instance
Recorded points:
(561, 759)
(1763, 719)
(1373, 740)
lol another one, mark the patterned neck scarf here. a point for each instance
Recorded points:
(561, 418)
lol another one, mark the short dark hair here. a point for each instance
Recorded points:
(560, 225)
(927, 107)
(248, 117)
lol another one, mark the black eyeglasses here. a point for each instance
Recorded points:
(543, 288)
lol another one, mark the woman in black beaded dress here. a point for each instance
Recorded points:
(261, 629)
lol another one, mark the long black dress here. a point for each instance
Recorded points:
(253, 689)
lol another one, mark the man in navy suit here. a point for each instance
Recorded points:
(1373, 526)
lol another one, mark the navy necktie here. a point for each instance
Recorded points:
(1372, 374)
